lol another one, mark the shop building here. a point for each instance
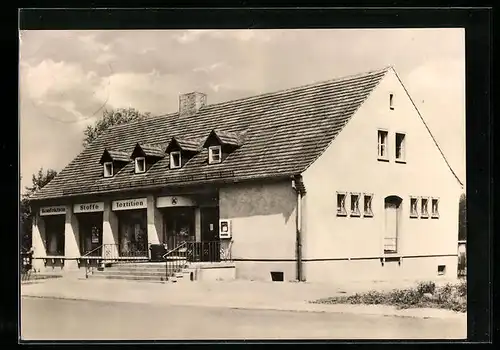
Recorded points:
(331, 181)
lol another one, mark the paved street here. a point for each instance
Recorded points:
(57, 319)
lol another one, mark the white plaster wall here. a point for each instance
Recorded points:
(350, 164)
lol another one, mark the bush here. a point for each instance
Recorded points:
(405, 297)
(462, 288)
(426, 287)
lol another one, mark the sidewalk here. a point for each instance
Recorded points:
(230, 294)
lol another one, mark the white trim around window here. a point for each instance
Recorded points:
(175, 160)
(367, 205)
(214, 154)
(400, 147)
(354, 204)
(140, 165)
(414, 207)
(341, 203)
(424, 207)
(435, 208)
(382, 144)
(108, 169)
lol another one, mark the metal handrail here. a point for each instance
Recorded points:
(87, 254)
(93, 250)
(173, 250)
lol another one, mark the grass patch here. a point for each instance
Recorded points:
(425, 294)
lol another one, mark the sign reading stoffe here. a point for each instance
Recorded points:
(88, 207)
(53, 210)
(129, 204)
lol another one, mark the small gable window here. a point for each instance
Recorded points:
(367, 208)
(413, 207)
(382, 145)
(355, 204)
(435, 211)
(214, 154)
(108, 169)
(424, 213)
(391, 102)
(175, 160)
(113, 161)
(341, 211)
(140, 165)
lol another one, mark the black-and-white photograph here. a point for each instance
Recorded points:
(242, 184)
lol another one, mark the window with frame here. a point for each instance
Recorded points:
(435, 208)
(400, 147)
(424, 212)
(355, 204)
(341, 197)
(108, 169)
(413, 207)
(140, 165)
(214, 154)
(382, 145)
(175, 160)
(391, 101)
(367, 205)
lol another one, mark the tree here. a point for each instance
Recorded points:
(462, 218)
(38, 180)
(110, 118)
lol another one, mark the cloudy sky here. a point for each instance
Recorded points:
(68, 77)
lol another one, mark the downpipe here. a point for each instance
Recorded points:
(298, 186)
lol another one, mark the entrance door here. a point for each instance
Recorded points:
(210, 234)
(90, 229)
(392, 223)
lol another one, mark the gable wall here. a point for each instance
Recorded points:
(350, 164)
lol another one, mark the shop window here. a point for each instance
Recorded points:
(367, 205)
(54, 234)
(435, 209)
(341, 211)
(355, 204)
(133, 233)
(108, 169)
(140, 165)
(214, 154)
(382, 145)
(175, 160)
(400, 147)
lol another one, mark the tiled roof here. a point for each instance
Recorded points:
(152, 150)
(228, 137)
(285, 132)
(192, 144)
(119, 156)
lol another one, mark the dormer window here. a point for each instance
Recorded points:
(108, 169)
(175, 160)
(214, 154)
(140, 165)
(113, 161)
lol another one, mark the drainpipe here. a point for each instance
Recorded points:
(298, 186)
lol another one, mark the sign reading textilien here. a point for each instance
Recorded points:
(53, 210)
(129, 204)
(174, 201)
(88, 207)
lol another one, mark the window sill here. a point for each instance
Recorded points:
(400, 161)
(368, 215)
(435, 216)
(355, 215)
(383, 159)
(424, 216)
(413, 216)
(341, 214)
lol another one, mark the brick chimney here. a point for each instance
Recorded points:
(191, 103)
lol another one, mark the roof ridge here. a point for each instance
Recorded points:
(277, 92)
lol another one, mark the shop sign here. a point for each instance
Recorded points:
(174, 201)
(53, 210)
(129, 204)
(88, 207)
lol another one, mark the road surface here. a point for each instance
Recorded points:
(58, 319)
